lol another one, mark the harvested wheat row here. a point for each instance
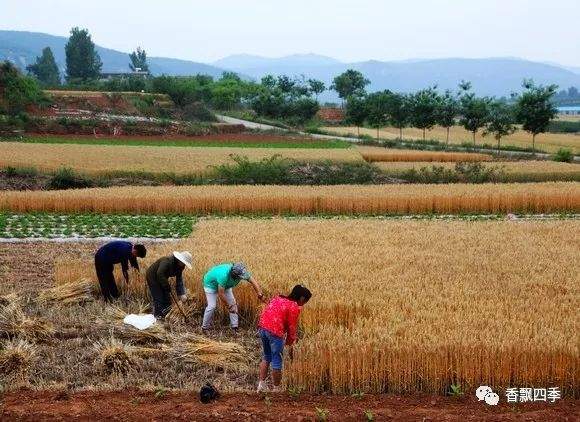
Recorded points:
(378, 154)
(343, 199)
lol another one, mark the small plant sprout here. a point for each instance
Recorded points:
(321, 414)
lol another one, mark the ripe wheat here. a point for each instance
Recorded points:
(344, 199)
(95, 159)
(410, 306)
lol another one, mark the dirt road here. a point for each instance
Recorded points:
(146, 406)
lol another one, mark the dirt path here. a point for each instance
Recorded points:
(124, 406)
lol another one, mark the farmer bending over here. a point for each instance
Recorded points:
(279, 319)
(219, 282)
(158, 280)
(117, 252)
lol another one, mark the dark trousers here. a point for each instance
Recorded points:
(106, 280)
(161, 299)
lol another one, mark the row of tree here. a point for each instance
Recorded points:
(424, 109)
(83, 62)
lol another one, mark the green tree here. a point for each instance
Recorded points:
(139, 60)
(356, 112)
(303, 109)
(501, 121)
(474, 111)
(350, 83)
(534, 108)
(398, 111)
(377, 106)
(17, 91)
(286, 84)
(423, 109)
(268, 81)
(316, 87)
(82, 60)
(447, 111)
(45, 68)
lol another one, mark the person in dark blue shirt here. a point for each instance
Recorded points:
(117, 252)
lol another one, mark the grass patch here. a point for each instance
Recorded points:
(54, 226)
(223, 143)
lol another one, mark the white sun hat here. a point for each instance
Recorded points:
(184, 257)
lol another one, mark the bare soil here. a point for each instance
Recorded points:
(29, 405)
(29, 267)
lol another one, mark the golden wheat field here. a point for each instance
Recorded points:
(527, 167)
(304, 200)
(549, 142)
(409, 306)
(94, 159)
(378, 154)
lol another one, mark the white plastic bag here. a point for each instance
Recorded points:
(141, 321)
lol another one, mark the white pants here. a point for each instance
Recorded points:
(212, 298)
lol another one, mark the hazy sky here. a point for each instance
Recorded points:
(350, 30)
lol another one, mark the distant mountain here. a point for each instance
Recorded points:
(22, 48)
(247, 61)
(491, 76)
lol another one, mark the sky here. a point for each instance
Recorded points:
(349, 30)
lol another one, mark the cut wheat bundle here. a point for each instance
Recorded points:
(16, 357)
(200, 350)
(15, 323)
(115, 357)
(184, 310)
(69, 293)
(154, 334)
(9, 299)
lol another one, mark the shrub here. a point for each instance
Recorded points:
(17, 92)
(276, 170)
(268, 171)
(472, 172)
(67, 178)
(20, 171)
(197, 112)
(564, 155)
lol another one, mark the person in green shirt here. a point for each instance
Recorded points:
(218, 282)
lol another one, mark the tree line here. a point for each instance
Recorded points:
(533, 109)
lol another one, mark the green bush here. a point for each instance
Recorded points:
(462, 173)
(20, 171)
(197, 112)
(276, 170)
(268, 171)
(67, 178)
(18, 91)
(564, 155)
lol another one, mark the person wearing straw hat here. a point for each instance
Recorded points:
(158, 275)
(218, 282)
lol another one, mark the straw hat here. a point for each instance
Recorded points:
(184, 257)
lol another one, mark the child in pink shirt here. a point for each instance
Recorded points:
(278, 325)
